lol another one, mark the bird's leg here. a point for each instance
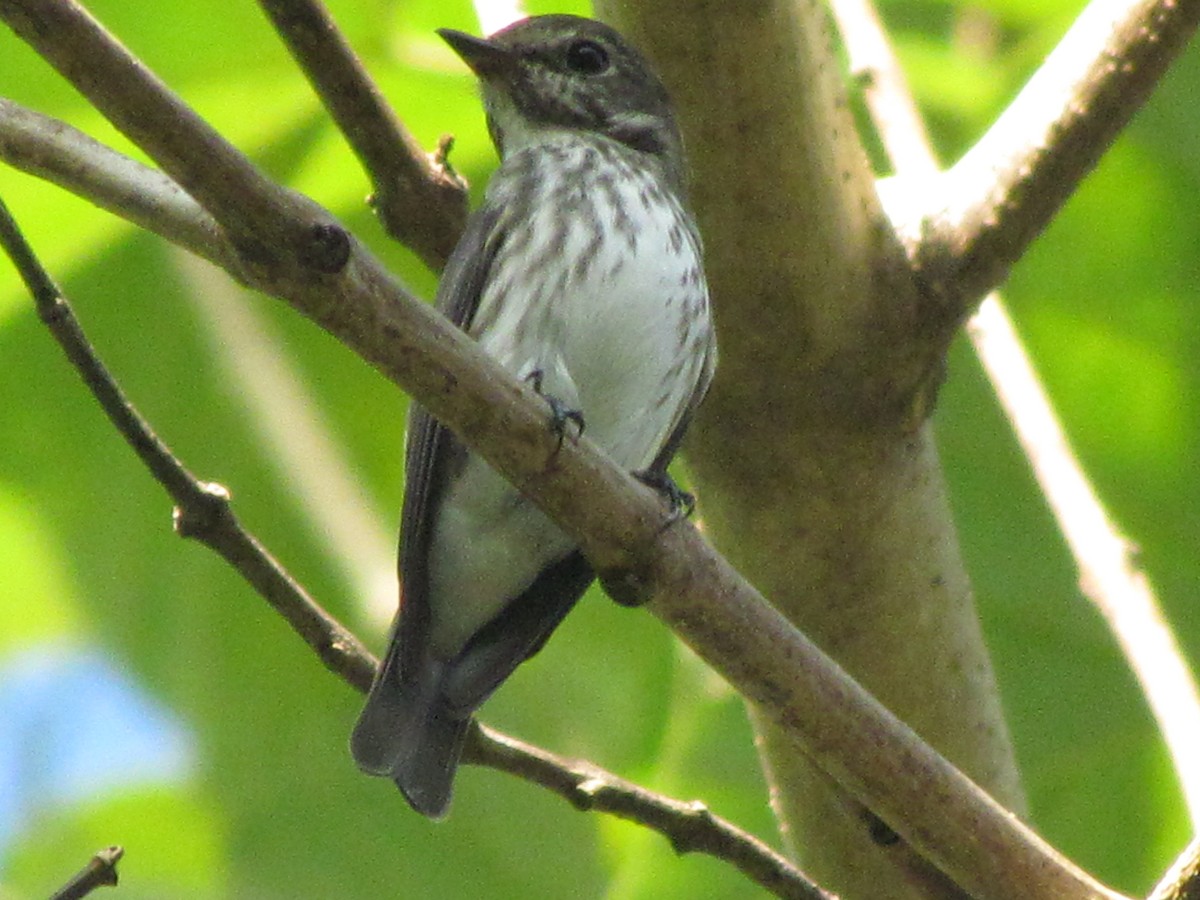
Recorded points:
(630, 587)
(681, 502)
(560, 413)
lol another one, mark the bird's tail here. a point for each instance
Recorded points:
(408, 733)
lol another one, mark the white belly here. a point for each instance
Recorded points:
(620, 330)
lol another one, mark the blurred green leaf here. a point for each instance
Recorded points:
(37, 603)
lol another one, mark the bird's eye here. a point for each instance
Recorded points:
(587, 58)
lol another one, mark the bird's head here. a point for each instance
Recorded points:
(554, 73)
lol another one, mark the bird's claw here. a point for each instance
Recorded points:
(560, 413)
(681, 502)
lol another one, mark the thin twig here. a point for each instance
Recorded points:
(203, 512)
(690, 827)
(1013, 181)
(300, 443)
(64, 155)
(101, 871)
(1109, 575)
(885, 90)
(617, 522)
(418, 197)
(273, 229)
(202, 509)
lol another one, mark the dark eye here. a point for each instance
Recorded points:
(587, 58)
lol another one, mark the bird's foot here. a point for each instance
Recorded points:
(681, 502)
(560, 413)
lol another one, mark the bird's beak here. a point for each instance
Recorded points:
(485, 58)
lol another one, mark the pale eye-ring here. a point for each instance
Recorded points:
(587, 58)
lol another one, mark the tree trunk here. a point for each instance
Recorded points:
(815, 461)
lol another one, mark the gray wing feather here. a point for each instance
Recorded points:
(403, 730)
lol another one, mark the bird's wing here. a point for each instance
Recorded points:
(708, 367)
(398, 732)
(432, 452)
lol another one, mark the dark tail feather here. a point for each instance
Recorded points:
(414, 724)
(426, 777)
(407, 734)
(388, 721)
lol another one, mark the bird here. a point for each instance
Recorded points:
(581, 272)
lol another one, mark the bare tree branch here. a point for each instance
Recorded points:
(1001, 195)
(64, 155)
(1109, 573)
(1109, 576)
(202, 508)
(418, 197)
(690, 827)
(203, 512)
(101, 871)
(246, 204)
(885, 90)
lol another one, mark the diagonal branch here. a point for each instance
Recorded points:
(885, 90)
(1109, 575)
(203, 512)
(618, 523)
(202, 508)
(418, 197)
(1001, 195)
(63, 155)
(243, 200)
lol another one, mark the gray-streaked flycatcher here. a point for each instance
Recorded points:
(582, 272)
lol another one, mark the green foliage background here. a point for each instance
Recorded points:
(1106, 301)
